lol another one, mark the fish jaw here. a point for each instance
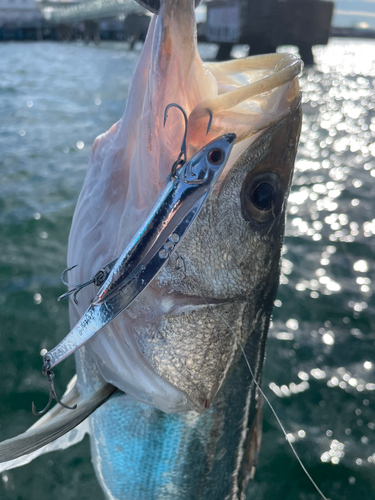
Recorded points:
(180, 338)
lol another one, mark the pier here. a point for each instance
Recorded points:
(91, 20)
(263, 27)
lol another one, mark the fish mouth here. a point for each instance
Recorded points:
(181, 307)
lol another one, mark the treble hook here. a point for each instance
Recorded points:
(76, 288)
(98, 280)
(182, 153)
(47, 372)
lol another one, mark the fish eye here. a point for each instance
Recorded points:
(262, 197)
(215, 156)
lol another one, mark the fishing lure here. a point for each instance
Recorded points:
(122, 280)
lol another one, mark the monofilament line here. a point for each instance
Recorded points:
(271, 407)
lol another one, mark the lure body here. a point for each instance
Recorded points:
(148, 251)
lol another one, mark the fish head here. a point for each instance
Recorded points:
(177, 343)
(220, 284)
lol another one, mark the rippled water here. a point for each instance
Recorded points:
(54, 100)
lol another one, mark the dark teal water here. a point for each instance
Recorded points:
(54, 100)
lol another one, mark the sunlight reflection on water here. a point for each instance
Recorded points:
(328, 270)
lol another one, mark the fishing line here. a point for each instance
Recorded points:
(271, 407)
(264, 396)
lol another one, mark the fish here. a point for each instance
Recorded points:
(164, 391)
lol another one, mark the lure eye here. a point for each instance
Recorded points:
(262, 197)
(215, 156)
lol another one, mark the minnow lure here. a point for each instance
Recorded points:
(124, 279)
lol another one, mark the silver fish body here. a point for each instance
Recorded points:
(223, 280)
(188, 426)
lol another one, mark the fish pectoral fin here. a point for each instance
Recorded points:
(56, 423)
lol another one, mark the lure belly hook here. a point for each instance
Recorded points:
(121, 281)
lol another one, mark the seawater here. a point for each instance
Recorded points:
(320, 368)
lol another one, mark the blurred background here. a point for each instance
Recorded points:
(263, 26)
(68, 85)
